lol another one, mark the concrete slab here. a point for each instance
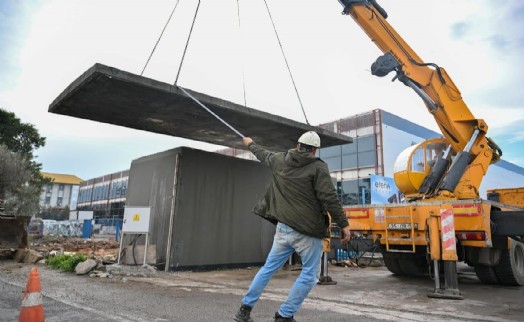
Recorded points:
(107, 94)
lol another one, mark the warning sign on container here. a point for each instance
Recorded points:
(136, 220)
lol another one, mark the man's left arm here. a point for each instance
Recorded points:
(328, 198)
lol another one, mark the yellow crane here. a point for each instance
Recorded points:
(444, 219)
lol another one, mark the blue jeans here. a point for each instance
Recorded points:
(286, 242)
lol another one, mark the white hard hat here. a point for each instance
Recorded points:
(310, 138)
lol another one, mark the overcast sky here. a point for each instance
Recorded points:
(45, 45)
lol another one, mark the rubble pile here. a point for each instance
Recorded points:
(103, 250)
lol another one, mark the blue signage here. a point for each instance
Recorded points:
(384, 190)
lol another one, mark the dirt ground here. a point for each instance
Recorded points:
(101, 249)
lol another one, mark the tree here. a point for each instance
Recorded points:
(19, 137)
(19, 196)
(20, 178)
(55, 213)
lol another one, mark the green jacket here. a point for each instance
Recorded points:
(300, 193)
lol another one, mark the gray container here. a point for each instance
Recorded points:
(201, 208)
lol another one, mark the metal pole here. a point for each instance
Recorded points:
(120, 248)
(145, 249)
(212, 113)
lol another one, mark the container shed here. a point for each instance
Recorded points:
(201, 208)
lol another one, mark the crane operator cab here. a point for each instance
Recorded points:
(414, 164)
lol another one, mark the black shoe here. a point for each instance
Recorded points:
(244, 314)
(280, 318)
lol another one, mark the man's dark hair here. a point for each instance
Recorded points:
(305, 147)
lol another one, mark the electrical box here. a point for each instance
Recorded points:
(136, 220)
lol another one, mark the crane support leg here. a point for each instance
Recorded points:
(325, 279)
(443, 250)
(450, 290)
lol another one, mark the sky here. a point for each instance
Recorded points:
(233, 54)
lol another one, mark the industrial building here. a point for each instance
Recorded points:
(104, 195)
(61, 192)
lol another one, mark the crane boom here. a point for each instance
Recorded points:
(463, 132)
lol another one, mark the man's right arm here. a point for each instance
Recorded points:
(260, 153)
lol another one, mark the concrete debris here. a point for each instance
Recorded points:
(85, 267)
(100, 274)
(142, 270)
(27, 256)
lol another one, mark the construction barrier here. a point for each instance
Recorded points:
(32, 309)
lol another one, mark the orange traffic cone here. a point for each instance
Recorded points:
(32, 309)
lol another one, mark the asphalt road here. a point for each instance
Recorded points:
(369, 294)
(68, 297)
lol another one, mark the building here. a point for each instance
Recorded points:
(105, 195)
(61, 192)
(379, 137)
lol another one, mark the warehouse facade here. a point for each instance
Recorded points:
(104, 195)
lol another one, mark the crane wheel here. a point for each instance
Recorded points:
(510, 270)
(406, 264)
(414, 265)
(486, 274)
(392, 264)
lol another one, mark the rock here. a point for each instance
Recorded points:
(124, 270)
(27, 256)
(85, 267)
(109, 258)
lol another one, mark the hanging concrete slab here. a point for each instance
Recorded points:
(109, 95)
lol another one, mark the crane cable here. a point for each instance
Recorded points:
(160, 37)
(241, 55)
(184, 54)
(187, 44)
(285, 59)
(182, 62)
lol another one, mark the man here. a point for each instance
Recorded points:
(297, 200)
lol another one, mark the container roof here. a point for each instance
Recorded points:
(109, 95)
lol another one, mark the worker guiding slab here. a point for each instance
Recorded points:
(299, 200)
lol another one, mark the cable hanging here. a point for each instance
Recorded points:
(182, 62)
(160, 37)
(285, 59)
(187, 43)
(242, 56)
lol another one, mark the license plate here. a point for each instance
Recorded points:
(402, 226)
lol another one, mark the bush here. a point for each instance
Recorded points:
(66, 263)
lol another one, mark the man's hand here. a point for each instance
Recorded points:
(347, 234)
(247, 140)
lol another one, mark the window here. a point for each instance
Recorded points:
(361, 153)
(61, 187)
(47, 200)
(354, 192)
(59, 202)
(417, 160)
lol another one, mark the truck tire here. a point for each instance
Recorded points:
(391, 262)
(510, 270)
(413, 265)
(486, 274)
